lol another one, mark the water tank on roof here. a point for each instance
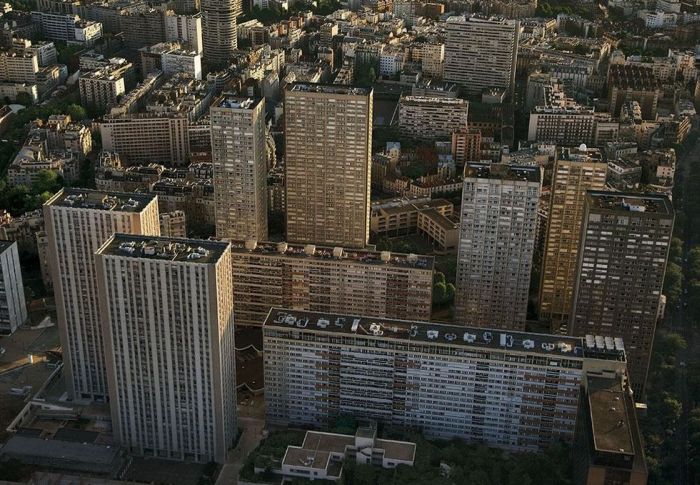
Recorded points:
(310, 249)
(282, 247)
(385, 256)
(251, 244)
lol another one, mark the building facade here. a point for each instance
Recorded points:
(168, 332)
(496, 245)
(331, 279)
(219, 31)
(103, 88)
(328, 142)
(427, 117)
(517, 391)
(575, 172)
(13, 308)
(481, 53)
(147, 137)
(239, 159)
(625, 239)
(78, 222)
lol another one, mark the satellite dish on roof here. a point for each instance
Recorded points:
(582, 147)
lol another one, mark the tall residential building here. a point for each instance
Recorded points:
(518, 391)
(239, 160)
(608, 446)
(624, 246)
(167, 311)
(481, 52)
(328, 142)
(13, 309)
(78, 222)
(330, 279)
(219, 31)
(575, 172)
(496, 245)
(185, 29)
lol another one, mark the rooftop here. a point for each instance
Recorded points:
(630, 202)
(5, 245)
(470, 337)
(502, 172)
(609, 420)
(164, 248)
(357, 256)
(100, 200)
(235, 102)
(433, 100)
(329, 89)
(441, 220)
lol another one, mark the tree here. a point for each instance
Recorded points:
(673, 284)
(439, 293)
(24, 99)
(47, 181)
(675, 253)
(76, 112)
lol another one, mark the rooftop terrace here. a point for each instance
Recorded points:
(164, 248)
(358, 256)
(609, 420)
(476, 338)
(235, 102)
(630, 202)
(329, 89)
(100, 200)
(502, 172)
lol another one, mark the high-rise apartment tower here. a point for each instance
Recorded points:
(328, 142)
(496, 244)
(219, 31)
(169, 344)
(576, 170)
(481, 52)
(240, 167)
(624, 247)
(78, 222)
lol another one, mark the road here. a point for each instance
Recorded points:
(683, 326)
(251, 437)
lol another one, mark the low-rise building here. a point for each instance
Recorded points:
(103, 88)
(321, 455)
(441, 230)
(396, 217)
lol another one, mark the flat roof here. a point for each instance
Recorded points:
(310, 459)
(419, 100)
(471, 337)
(237, 102)
(328, 89)
(101, 200)
(630, 202)
(5, 245)
(164, 248)
(609, 420)
(441, 220)
(502, 171)
(357, 256)
(19, 445)
(397, 450)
